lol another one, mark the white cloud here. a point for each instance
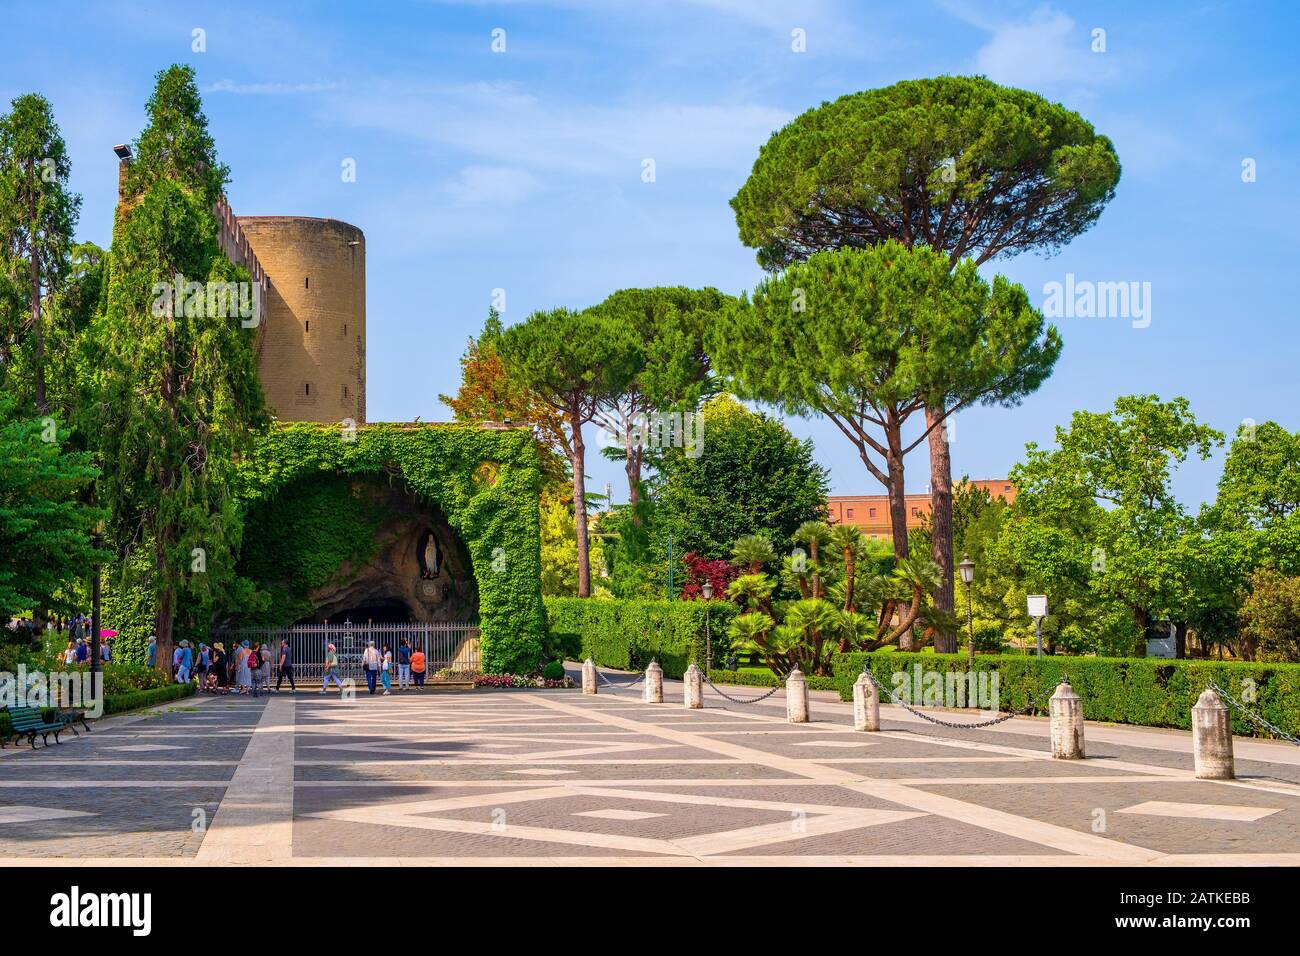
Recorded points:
(491, 120)
(1046, 49)
(269, 89)
(500, 185)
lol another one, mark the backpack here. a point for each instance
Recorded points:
(254, 661)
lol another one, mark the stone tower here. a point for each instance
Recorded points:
(311, 353)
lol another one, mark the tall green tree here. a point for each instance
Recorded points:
(751, 476)
(45, 527)
(177, 390)
(1098, 513)
(573, 362)
(38, 215)
(960, 165)
(672, 367)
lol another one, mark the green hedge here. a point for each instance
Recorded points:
(626, 634)
(117, 703)
(132, 700)
(1147, 692)
(768, 679)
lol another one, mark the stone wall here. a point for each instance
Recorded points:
(311, 355)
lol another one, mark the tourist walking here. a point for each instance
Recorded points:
(253, 662)
(201, 667)
(417, 667)
(83, 652)
(220, 674)
(286, 667)
(264, 672)
(242, 676)
(151, 652)
(70, 653)
(370, 664)
(331, 670)
(184, 658)
(404, 665)
(387, 671)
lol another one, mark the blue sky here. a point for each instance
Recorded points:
(522, 170)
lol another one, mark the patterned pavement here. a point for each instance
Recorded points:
(555, 777)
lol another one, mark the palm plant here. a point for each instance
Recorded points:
(752, 552)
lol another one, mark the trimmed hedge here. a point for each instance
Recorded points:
(626, 634)
(117, 703)
(133, 700)
(1147, 692)
(768, 679)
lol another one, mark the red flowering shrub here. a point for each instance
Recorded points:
(719, 573)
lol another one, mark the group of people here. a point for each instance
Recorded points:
(78, 650)
(245, 669)
(378, 666)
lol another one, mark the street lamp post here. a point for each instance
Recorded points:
(967, 569)
(707, 591)
(96, 539)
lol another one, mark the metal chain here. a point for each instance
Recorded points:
(621, 685)
(1253, 716)
(1033, 705)
(740, 700)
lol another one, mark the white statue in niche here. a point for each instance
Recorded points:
(430, 557)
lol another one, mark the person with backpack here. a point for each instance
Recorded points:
(370, 664)
(417, 667)
(253, 665)
(264, 672)
(404, 665)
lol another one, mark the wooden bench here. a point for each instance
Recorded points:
(29, 722)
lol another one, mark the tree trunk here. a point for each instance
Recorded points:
(632, 466)
(898, 513)
(1180, 640)
(578, 462)
(38, 336)
(941, 525)
(165, 613)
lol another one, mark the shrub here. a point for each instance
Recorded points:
(553, 671)
(627, 634)
(1149, 692)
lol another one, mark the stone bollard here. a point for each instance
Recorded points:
(654, 684)
(1212, 738)
(866, 704)
(693, 686)
(796, 698)
(588, 676)
(1066, 708)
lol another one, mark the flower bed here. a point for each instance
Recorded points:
(520, 680)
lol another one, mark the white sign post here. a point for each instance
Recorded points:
(1038, 610)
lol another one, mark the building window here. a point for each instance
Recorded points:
(916, 512)
(306, 388)
(306, 282)
(307, 326)
(871, 512)
(1006, 487)
(850, 512)
(345, 393)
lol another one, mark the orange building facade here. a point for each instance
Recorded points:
(871, 512)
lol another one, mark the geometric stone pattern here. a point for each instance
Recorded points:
(502, 778)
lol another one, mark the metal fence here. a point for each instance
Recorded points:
(445, 645)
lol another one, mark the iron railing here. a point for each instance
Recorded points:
(453, 645)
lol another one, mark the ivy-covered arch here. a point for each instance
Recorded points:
(484, 480)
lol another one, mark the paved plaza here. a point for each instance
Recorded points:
(555, 777)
